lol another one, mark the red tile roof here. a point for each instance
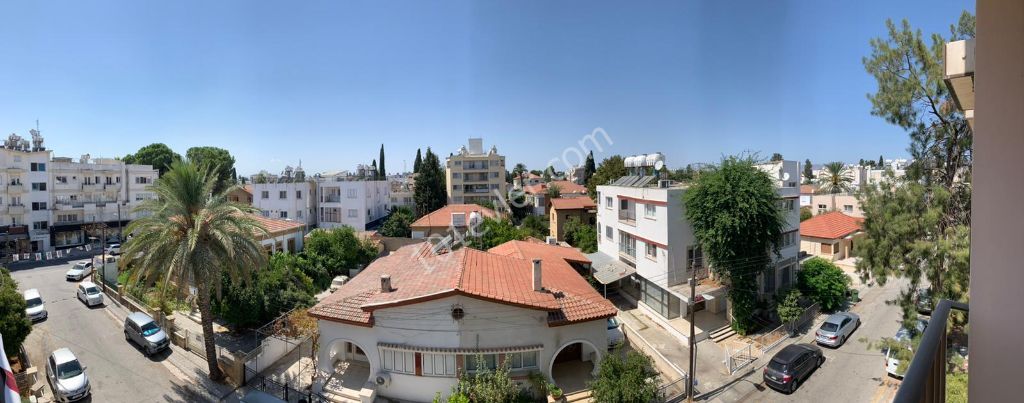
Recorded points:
(502, 275)
(275, 226)
(572, 203)
(807, 189)
(442, 217)
(565, 187)
(831, 225)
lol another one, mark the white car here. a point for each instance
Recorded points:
(89, 293)
(904, 335)
(35, 308)
(79, 271)
(66, 376)
(114, 249)
(615, 335)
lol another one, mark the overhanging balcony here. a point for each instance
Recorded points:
(16, 188)
(90, 187)
(16, 209)
(627, 217)
(15, 170)
(959, 76)
(925, 380)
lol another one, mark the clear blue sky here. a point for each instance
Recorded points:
(328, 81)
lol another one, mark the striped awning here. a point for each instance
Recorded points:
(456, 350)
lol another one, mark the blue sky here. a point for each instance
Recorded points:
(328, 81)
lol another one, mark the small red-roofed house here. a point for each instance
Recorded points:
(565, 208)
(282, 235)
(830, 235)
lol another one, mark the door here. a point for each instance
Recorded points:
(571, 352)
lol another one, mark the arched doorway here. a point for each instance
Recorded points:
(348, 369)
(575, 364)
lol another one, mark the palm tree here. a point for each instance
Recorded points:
(191, 236)
(520, 172)
(836, 178)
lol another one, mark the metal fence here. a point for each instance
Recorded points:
(736, 358)
(282, 390)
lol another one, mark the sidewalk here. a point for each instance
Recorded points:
(188, 367)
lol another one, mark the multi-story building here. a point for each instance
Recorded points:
(475, 176)
(290, 197)
(648, 251)
(24, 201)
(352, 200)
(403, 191)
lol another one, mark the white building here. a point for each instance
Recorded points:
(411, 322)
(24, 203)
(403, 191)
(351, 200)
(648, 251)
(295, 201)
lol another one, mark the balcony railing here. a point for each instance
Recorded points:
(925, 380)
(332, 199)
(15, 188)
(627, 216)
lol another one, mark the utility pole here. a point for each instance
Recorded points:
(693, 346)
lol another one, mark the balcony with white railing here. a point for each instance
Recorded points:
(15, 188)
(16, 209)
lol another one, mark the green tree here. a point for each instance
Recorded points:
(881, 161)
(14, 323)
(553, 192)
(486, 385)
(823, 282)
(837, 178)
(808, 172)
(788, 308)
(684, 174)
(493, 232)
(159, 155)
(333, 252)
(776, 157)
(382, 172)
(733, 209)
(535, 226)
(805, 213)
(546, 177)
(589, 167)
(919, 226)
(626, 380)
(580, 235)
(430, 185)
(281, 287)
(398, 222)
(191, 235)
(376, 174)
(218, 160)
(611, 168)
(417, 162)
(520, 172)
(520, 206)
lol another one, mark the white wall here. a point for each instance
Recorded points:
(372, 200)
(291, 205)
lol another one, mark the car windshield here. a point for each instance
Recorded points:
(150, 329)
(80, 266)
(69, 369)
(777, 366)
(829, 327)
(92, 290)
(34, 302)
(613, 323)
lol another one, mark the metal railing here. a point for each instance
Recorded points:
(925, 380)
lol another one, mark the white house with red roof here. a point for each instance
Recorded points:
(830, 235)
(282, 235)
(536, 195)
(448, 219)
(412, 321)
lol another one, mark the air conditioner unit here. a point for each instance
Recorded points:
(382, 379)
(664, 183)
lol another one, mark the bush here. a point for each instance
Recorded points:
(535, 226)
(789, 308)
(14, 323)
(486, 386)
(629, 379)
(332, 252)
(280, 287)
(580, 235)
(398, 222)
(824, 282)
(805, 213)
(493, 232)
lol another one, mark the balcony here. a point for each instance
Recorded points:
(110, 187)
(331, 199)
(90, 187)
(925, 380)
(15, 170)
(15, 188)
(627, 217)
(959, 75)
(16, 209)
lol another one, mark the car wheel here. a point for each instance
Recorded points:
(842, 341)
(127, 338)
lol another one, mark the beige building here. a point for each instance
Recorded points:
(565, 208)
(830, 235)
(844, 202)
(453, 218)
(473, 175)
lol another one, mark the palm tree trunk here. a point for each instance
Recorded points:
(833, 201)
(206, 316)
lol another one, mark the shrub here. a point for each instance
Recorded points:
(824, 282)
(805, 213)
(629, 379)
(14, 323)
(580, 235)
(398, 222)
(789, 308)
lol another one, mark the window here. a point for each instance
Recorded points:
(282, 194)
(41, 186)
(650, 211)
(352, 193)
(627, 244)
(456, 175)
(826, 248)
(652, 251)
(608, 202)
(822, 208)
(787, 204)
(438, 364)
(786, 273)
(494, 174)
(608, 232)
(402, 362)
(298, 195)
(769, 281)
(695, 257)
(266, 213)
(265, 194)
(61, 179)
(284, 214)
(660, 300)
(787, 239)
(39, 225)
(298, 214)
(848, 208)
(67, 217)
(38, 206)
(139, 180)
(37, 167)
(353, 213)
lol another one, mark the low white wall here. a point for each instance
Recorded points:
(273, 349)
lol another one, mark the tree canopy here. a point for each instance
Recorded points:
(417, 162)
(216, 159)
(823, 282)
(589, 167)
(382, 172)
(808, 172)
(430, 185)
(580, 235)
(776, 157)
(535, 226)
(14, 323)
(398, 222)
(733, 209)
(493, 232)
(611, 168)
(159, 155)
(624, 380)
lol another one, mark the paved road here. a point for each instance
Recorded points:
(117, 370)
(851, 373)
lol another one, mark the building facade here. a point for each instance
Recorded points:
(476, 176)
(296, 201)
(349, 200)
(565, 209)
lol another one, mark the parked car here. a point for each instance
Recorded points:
(924, 302)
(66, 376)
(89, 293)
(615, 335)
(79, 271)
(904, 335)
(35, 310)
(837, 328)
(337, 282)
(113, 249)
(792, 365)
(142, 330)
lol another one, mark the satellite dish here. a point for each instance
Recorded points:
(785, 175)
(658, 165)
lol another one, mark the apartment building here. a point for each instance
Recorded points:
(290, 196)
(537, 195)
(403, 193)
(24, 201)
(475, 176)
(352, 200)
(647, 251)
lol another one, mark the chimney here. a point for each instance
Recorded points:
(537, 286)
(385, 283)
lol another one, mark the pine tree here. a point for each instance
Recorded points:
(374, 169)
(808, 171)
(589, 167)
(382, 173)
(431, 193)
(881, 162)
(417, 162)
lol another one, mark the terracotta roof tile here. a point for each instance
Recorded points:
(807, 189)
(502, 275)
(831, 225)
(276, 226)
(572, 203)
(442, 217)
(565, 187)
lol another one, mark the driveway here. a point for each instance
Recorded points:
(117, 370)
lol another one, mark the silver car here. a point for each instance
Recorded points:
(837, 328)
(142, 330)
(66, 376)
